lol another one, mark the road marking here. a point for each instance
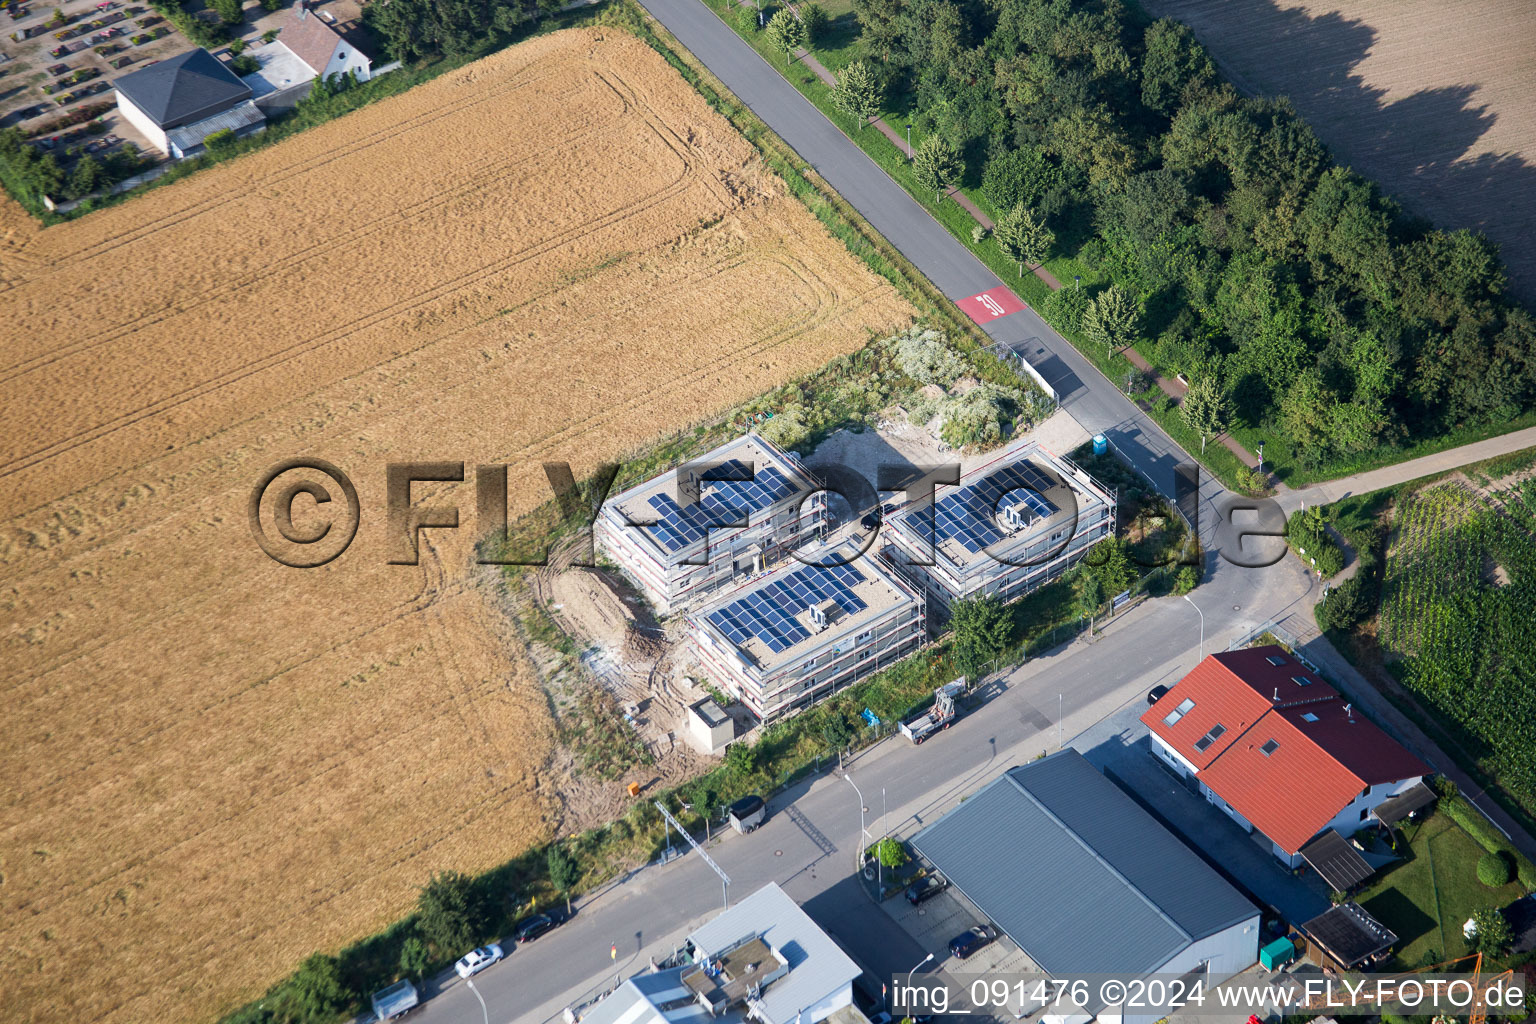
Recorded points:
(991, 304)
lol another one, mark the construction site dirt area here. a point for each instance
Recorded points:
(218, 764)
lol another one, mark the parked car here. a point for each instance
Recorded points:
(477, 960)
(971, 940)
(870, 521)
(1156, 694)
(394, 1001)
(925, 889)
(530, 928)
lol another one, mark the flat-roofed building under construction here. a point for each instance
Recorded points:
(687, 533)
(1013, 524)
(811, 627)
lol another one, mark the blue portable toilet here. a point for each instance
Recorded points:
(1100, 444)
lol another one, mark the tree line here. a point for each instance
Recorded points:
(427, 29)
(1240, 253)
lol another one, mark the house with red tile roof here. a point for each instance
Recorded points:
(1261, 736)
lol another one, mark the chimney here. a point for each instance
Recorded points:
(1276, 697)
(301, 8)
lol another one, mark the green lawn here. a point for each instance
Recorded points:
(1426, 898)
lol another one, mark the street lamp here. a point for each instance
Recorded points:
(1202, 625)
(858, 860)
(909, 142)
(914, 969)
(483, 1011)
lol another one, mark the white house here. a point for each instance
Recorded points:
(1281, 752)
(322, 49)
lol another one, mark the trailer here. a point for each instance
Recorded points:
(748, 813)
(937, 717)
(392, 1002)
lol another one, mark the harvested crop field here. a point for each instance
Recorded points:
(216, 764)
(1435, 101)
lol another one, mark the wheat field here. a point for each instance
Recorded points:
(217, 764)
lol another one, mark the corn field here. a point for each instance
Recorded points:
(1458, 603)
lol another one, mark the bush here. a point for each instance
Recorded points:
(815, 20)
(1306, 532)
(926, 357)
(244, 64)
(979, 416)
(788, 427)
(1345, 606)
(1186, 580)
(271, 33)
(1064, 308)
(1494, 869)
(237, 47)
(977, 234)
(746, 18)
(219, 141)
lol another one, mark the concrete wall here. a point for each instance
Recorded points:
(143, 122)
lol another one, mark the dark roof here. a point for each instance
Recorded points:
(1349, 934)
(1521, 916)
(1396, 808)
(1339, 863)
(1076, 873)
(185, 88)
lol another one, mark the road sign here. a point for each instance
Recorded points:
(989, 305)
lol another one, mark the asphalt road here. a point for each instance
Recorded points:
(809, 843)
(1092, 399)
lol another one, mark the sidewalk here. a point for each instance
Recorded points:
(1389, 476)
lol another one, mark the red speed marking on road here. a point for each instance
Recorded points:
(991, 304)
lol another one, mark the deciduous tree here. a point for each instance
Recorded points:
(1023, 237)
(787, 33)
(449, 914)
(1204, 408)
(937, 165)
(1111, 318)
(858, 93)
(983, 629)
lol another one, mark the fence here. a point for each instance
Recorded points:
(1015, 359)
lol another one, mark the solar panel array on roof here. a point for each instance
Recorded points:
(769, 613)
(720, 503)
(968, 516)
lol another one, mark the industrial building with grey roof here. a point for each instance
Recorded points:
(1084, 881)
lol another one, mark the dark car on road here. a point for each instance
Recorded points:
(971, 940)
(925, 889)
(1156, 694)
(530, 928)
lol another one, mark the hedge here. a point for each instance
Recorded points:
(1488, 837)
